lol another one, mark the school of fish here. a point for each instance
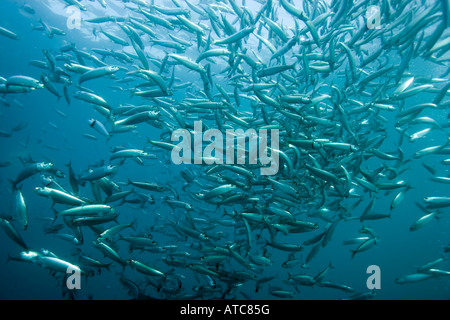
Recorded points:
(328, 78)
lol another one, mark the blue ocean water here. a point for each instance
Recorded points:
(53, 132)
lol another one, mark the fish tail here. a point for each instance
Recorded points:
(107, 266)
(55, 214)
(13, 185)
(9, 258)
(132, 224)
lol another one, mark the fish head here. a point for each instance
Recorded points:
(204, 237)
(47, 253)
(316, 145)
(113, 68)
(113, 169)
(41, 191)
(199, 195)
(129, 262)
(60, 174)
